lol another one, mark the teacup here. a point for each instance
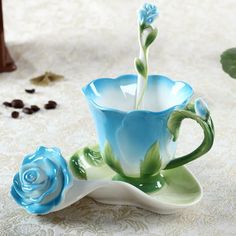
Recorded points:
(139, 144)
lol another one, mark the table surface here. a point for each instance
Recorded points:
(84, 40)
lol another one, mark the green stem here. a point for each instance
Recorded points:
(144, 57)
(174, 123)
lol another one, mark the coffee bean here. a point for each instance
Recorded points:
(30, 90)
(35, 108)
(17, 103)
(28, 111)
(49, 106)
(7, 104)
(15, 114)
(52, 102)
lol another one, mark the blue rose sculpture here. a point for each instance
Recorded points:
(41, 181)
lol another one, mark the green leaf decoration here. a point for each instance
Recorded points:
(111, 160)
(174, 123)
(228, 61)
(93, 156)
(77, 167)
(140, 67)
(150, 38)
(190, 107)
(152, 162)
(144, 26)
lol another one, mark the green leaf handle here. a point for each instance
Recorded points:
(174, 123)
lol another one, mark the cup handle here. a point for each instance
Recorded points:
(200, 113)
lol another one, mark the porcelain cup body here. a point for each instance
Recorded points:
(131, 134)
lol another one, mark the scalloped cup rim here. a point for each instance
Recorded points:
(119, 78)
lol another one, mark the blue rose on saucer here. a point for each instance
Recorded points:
(41, 181)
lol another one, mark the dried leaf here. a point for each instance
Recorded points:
(46, 79)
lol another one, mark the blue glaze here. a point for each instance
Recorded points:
(201, 108)
(131, 132)
(147, 14)
(41, 181)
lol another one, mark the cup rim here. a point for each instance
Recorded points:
(104, 108)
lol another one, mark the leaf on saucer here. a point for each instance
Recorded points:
(93, 156)
(152, 161)
(111, 160)
(228, 61)
(46, 79)
(77, 167)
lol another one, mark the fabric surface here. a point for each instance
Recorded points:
(84, 40)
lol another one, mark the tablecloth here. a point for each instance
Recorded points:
(84, 40)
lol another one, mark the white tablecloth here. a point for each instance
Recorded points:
(84, 40)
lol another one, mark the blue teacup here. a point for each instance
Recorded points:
(139, 144)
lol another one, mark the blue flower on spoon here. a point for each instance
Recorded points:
(148, 14)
